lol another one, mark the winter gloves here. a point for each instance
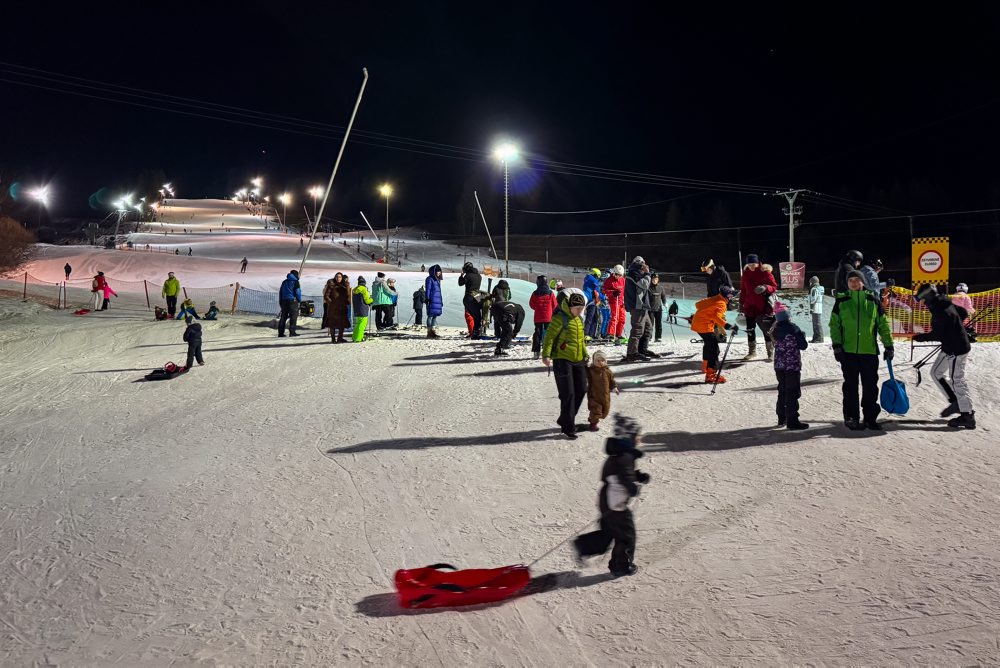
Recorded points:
(760, 289)
(838, 353)
(888, 354)
(642, 477)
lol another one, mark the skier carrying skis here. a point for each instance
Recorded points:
(947, 327)
(621, 481)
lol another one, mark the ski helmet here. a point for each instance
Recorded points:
(708, 265)
(814, 280)
(925, 292)
(853, 256)
(619, 270)
(596, 272)
(961, 287)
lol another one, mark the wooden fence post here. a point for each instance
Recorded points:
(145, 286)
(236, 294)
(25, 296)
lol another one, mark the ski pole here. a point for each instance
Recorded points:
(718, 372)
(672, 333)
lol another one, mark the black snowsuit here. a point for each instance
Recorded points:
(717, 279)
(657, 297)
(472, 281)
(419, 299)
(621, 483)
(508, 318)
(192, 335)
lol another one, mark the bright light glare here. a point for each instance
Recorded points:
(316, 191)
(385, 190)
(167, 186)
(267, 198)
(505, 152)
(40, 195)
(257, 182)
(256, 191)
(285, 199)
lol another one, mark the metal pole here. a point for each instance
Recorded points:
(333, 174)
(506, 221)
(387, 229)
(374, 233)
(791, 226)
(475, 193)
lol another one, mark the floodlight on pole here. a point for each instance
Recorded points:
(285, 200)
(386, 191)
(506, 152)
(40, 195)
(316, 192)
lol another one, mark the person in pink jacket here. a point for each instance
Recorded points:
(962, 298)
(108, 293)
(614, 290)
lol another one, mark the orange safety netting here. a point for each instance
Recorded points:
(908, 316)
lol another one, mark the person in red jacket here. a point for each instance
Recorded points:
(614, 290)
(757, 284)
(97, 287)
(543, 303)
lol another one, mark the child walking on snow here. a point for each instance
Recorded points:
(192, 336)
(621, 482)
(600, 382)
(789, 342)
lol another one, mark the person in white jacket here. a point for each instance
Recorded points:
(816, 292)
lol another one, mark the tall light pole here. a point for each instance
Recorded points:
(790, 196)
(316, 192)
(285, 201)
(40, 195)
(386, 191)
(505, 153)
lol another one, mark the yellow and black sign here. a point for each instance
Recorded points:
(930, 260)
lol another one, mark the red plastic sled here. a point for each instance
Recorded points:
(432, 587)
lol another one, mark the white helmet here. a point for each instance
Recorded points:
(961, 287)
(619, 270)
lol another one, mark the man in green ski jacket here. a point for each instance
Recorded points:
(857, 322)
(171, 288)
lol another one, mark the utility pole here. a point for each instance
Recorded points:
(790, 196)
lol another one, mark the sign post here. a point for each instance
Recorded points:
(793, 275)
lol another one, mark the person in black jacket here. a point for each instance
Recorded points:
(621, 483)
(672, 312)
(508, 317)
(419, 299)
(717, 277)
(472, 301)
(947, 327)
(657, 298)
(501, 293)
(192, 336)
(850, 262)
(637, 304)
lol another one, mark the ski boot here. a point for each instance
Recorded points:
(712, 377)
(752, 353)
(538, 356)
(631, 569)
(769, 346)
(795, 425)
(853, 424)
(704, 366)
(964, 421)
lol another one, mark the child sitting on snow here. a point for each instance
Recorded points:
(192, 335)
(187, 309)
(621, 483)
(161, 313)
(600, 382)
(789, 341)
(213, 312)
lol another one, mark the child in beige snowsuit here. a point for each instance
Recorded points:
(600, 383)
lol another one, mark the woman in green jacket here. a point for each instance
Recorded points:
(565, 350)
(857, 322)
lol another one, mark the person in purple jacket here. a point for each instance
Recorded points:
(789, 342)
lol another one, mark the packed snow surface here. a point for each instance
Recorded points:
(253, 511)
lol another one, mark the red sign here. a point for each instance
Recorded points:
(793, 275)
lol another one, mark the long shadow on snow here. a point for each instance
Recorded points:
(750, 437)
(804, 383)
(77, 373)
(488, 357)
(441, 356)
(321, 342)
(504, 372)
(387, 605)
(424, 442)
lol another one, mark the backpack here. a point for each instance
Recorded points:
(893, 396)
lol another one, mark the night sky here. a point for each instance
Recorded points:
(894, 105)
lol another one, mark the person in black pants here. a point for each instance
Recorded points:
(472, 281)
(508, 317)
(289, 296)
(192, 335)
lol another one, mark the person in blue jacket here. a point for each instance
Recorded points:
(289, 296)
(435, 299)
(592, 291)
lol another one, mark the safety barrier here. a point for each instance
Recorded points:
(909, 316)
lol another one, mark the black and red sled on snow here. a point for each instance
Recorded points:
(435, 587)
(169, 370)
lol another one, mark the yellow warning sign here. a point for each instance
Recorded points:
(930, 260)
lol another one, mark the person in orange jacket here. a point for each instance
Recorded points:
(709, 321)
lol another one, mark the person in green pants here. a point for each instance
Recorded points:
(361, 303)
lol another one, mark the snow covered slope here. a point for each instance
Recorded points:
(254, 510)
